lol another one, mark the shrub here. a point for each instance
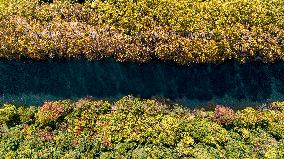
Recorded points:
(224, 115)
(51, 112)
(181, 31)
(136, 128)
(27, 115)
(277, 106)
(277, 129)
(8, 114)
(247, 118)
(208, 132)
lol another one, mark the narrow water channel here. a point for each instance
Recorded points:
(231, 83)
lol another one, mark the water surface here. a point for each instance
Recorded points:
(231, 83)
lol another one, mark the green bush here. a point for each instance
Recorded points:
(8, 114)
(27, 115)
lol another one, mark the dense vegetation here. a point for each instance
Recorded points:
(135, 128)
(184, 31)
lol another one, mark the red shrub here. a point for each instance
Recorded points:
(50, 111)
(46, 136)
(224, 115)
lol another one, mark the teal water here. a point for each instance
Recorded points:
(230, 83)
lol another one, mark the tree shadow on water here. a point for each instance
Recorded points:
(256, 82)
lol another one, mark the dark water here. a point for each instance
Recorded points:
(32, 82)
